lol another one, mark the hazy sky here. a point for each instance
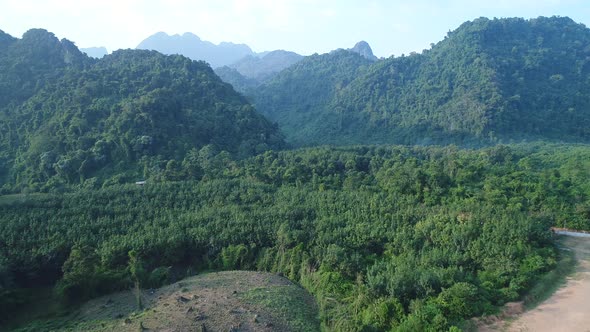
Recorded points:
(304, 26)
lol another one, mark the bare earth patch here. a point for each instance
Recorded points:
(568, 309)
(223, 301)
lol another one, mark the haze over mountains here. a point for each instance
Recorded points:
(191, 46)
(237, 64)
(488, 81)
(250, 72)
(67, 117)
(245, 68)
(95, 52)
(385, 237)
(262, 67)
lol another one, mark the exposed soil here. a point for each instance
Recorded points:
(568, 309)
(223, 301)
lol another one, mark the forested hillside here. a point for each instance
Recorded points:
(252, 71)
(68, 119)
(386, 238)
(262, 68)
(488, 81)
(239, 82)
(300, 97)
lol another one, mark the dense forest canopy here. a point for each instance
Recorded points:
(299, 97)
(69, 119)
(386, 237)
(487, 81)
(398, 238)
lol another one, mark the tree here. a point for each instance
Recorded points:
(80, 280)
(137, 273)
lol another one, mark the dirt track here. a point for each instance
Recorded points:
(569, 308)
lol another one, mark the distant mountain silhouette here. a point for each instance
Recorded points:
(364, 50)
(489, 81)
(191, 46)
(260, 68)
(130, 105)
(240, 82)
(95, 52)
(6, 39)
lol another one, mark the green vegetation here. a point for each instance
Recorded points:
(238, 81)
(286, 303)
(489, 81)
(67, 120)
(299, 97)
(250, 72)
(384, 237)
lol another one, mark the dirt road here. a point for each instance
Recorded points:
(569, 308)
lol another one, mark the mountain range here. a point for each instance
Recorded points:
(191, 46)
(252, 68)
(250, 72)
(137, 169)
(236, 64)
(66, 118)
(489, 81)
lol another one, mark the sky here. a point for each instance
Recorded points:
(391, 27)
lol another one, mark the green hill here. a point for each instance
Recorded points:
(487, 81)
(238, 81)
(383, 237)
(222, 301)
(300, 97)
(68, 119)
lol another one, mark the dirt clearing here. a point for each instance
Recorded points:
(223, 301)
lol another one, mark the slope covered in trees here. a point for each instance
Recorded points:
(300, 97)
(487, 81)
(250, 72)
(386, 238)
(239, 82)
(69, 119)
(261, 68)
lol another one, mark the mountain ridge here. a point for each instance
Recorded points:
(364, 49)
(193, 47)
(488, 81)
(261, 68)
(69, 119)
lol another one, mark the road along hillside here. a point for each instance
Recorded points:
(568, 309)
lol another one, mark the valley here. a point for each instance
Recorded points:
(148, 189)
